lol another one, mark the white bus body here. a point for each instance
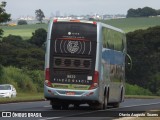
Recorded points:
(84, 63)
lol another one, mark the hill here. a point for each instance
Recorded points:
(132, 24)
(24, 31)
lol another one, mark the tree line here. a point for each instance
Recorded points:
(142, 12)
(14, 51)
(144, 48)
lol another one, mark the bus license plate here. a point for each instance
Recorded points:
(70, 93)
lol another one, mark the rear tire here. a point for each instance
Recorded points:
(56, 107)
(100, 106)
(116, 105)
(105, 102)
(76, 106)
(65, 107)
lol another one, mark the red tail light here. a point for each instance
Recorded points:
(95, 80)
(47, 77)
(95, 23)
(47, 74)
(55, 20)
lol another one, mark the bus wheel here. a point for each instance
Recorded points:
(116, 105)
(56, 107)
(105, 102)
(76, 106)
(65, 107)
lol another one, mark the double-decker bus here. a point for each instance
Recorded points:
(84, 63)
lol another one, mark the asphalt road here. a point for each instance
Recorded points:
(42, 108)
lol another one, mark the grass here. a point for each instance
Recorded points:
(22, 97)
(131, 24)
(142, 97)
(22, 30)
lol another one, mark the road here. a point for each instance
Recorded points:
(42, 108)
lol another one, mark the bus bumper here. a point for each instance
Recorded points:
(78, 95)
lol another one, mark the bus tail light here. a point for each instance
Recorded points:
(47, 77)
(95, 80)
(95, 23)
(55, 20)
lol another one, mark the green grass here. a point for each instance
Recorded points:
(30, 81)
(136, 90)
(22, 97)
(22, 30)
(142, 97)
(131, 24)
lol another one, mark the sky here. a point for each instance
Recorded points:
(19, 8)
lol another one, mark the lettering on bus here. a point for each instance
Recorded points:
(71, 80)
(71, 76)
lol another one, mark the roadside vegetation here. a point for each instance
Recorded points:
(144, 49)
(25, 31)
(25, 81)
(23, 97)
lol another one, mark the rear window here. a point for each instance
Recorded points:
(74, 30)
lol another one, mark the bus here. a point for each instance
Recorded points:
(84, 64)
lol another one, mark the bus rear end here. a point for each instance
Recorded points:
(70, 76)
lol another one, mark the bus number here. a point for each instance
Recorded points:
(71, 76)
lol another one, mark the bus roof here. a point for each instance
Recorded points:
(74, 20)
(90, 22)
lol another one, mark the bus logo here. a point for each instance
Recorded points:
(72, 46)
(69, 33)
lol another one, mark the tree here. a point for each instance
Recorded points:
(22, 22)
(142, 12)
(1, 33)
(147, 11)
(4, 17)
(39, 37)
(39, 15)
(14, 51)
(144, 49)
(158, 12)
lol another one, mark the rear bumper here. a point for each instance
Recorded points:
(80, 95)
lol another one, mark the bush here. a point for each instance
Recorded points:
(39, 37)
(1, 71)
(136, 90)
(23, 80)
(37, 77)
(14, 51)
(143, 47)
(22, 22)
(154, 83)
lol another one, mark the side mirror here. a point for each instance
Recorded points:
(129, 62)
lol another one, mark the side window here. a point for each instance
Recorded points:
(104, 32)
